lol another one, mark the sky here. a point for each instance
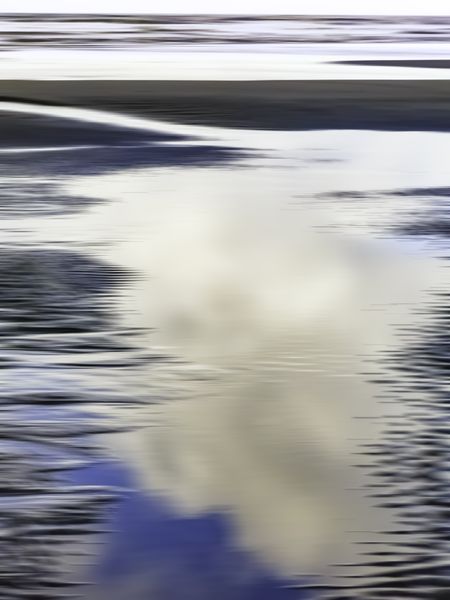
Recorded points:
(354, 7)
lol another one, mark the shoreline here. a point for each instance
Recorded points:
(414, 105)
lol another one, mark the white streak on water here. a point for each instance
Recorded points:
(112, 119)
(32, 150)
(220, 135)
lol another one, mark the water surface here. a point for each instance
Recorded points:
(224, 362)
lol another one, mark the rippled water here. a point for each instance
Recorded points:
(223, 47)
(111, 31)
(224, 364)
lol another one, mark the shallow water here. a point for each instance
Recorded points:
(224, 364)
(221, 47)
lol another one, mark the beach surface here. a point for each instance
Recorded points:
(276, 105)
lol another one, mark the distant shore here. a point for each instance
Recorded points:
(282, 105)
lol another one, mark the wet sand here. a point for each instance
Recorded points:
(280, 105)
(419, 63)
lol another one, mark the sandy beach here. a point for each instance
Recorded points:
(278, 105)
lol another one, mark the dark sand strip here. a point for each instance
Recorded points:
(417, 64)
(284, 105)
(18, 130)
